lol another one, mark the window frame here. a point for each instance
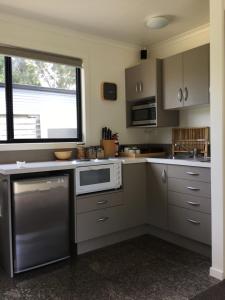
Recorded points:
(9, 109)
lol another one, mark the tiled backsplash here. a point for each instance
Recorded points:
(48, 154)
(29, 155)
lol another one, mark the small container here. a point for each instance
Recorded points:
(81, 151)
(137, 151)
(131, 151)
(91, 152)
(100, 152)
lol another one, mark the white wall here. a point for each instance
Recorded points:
(217, 74)
(104, 60)
(199, 116)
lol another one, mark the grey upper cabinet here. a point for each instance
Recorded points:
(134, 186)
(186, 78)
(196, 76)
(173, 82)
(140, 81)
(144, 83)
(157, 195)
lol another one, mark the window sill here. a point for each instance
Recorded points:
(37, 146)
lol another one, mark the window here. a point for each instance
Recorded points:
(40, 101)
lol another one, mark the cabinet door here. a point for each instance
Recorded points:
(141, 81)
(100, 222)
(132, 80)
(157, 195)
(134, 185)
(196, 76)
(147, 81)
(173, 82)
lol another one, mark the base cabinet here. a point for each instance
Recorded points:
(175, 199)
(157, 195)
(99, 214)
(100, 222)
(134, 186)
(191, 224)
(189, 203)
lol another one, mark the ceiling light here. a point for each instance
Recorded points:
(157, 22)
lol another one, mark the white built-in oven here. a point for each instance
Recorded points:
(101, 177)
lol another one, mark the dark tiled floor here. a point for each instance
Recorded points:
(142, 268)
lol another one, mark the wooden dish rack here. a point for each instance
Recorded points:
(185, 140)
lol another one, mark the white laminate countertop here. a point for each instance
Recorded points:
(10, 169)
(181, 162)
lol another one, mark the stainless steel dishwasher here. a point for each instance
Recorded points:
(40, 218)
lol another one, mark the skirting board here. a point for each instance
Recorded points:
(117, 237)
(111, 239)
(218, 274)
(179, 241)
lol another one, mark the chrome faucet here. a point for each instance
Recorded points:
(195, 153)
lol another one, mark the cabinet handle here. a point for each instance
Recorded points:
(193, 222)
(192, 188)
(192, 173)
(102, 202)
(140, 87)
(193, 203)
(163, 176)
(185, 94)
(180, 95)
(136, 87)
(102, 220)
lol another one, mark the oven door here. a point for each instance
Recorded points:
(91, 179)
(144, 114)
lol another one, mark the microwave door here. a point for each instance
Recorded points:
(144, 114)
(94, 178)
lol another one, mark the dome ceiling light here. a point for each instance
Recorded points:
(156, 22)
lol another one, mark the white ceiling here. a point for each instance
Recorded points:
(122, 20)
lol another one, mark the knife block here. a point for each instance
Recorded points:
(109, 147)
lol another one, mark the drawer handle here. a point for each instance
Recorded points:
(102, 219)
(192, 173)
(192, 188)
(193, 203)
(102, 202)
(193, 221)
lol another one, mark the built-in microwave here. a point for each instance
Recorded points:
(143, 114)
(95, 178)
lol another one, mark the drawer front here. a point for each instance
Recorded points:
(192, 173)
(100, 222)
(99, 201)
(191, 224)
(202, 204)
(190, 187)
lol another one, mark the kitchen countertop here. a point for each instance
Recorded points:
(10, 169)
(181, 162)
